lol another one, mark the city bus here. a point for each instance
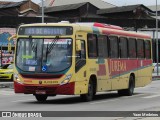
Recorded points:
(80, 59)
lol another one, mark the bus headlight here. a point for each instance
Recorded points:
(16, 78)
(66, 79)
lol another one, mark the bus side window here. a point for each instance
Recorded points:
(113, 43)
(102, 46)
(140, 48)
(147, 49)
(123, 47)
(132, 48)
(92, 45)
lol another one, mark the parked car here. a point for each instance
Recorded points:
(6, 72)
(155, 67)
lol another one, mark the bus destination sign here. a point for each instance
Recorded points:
(49, 30)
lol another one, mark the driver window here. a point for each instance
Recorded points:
(81, 57)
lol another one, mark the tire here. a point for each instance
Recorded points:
(94, 89)
(130, 90)
(89, 96)
(41, 98)
(121, 92)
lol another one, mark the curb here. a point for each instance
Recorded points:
(6, 84)
(155, 78)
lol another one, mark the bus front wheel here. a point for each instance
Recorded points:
(89, 96)
(41, 98)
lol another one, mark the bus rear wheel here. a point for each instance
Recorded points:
(41, 98)
(89, 96)
(130, 90)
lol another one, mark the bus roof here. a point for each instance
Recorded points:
(96, 27)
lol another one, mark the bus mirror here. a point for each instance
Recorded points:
(78, 45)
(12, 37)
(9, 47)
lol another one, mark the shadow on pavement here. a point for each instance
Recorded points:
(77, 99)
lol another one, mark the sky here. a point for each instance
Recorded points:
(115, 2)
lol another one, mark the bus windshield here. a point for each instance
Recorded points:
(43, 55)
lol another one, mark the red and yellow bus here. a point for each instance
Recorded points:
(80, 59)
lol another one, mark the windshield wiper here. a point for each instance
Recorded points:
(51, 46)
(33, 46)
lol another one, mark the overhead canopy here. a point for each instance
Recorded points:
(98, 3)
(123, 9)
(64, 7)
(10, 4)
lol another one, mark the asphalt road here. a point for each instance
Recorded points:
(144, 99)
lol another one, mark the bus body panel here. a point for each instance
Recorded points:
(111, 74)
(144, 73)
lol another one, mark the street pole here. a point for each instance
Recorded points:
(157, 40)
(1, 55)
(42, 12)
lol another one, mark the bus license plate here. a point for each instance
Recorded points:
(40, 92)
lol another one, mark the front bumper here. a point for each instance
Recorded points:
(66, 89)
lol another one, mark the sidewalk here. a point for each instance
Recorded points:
(155, 76)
